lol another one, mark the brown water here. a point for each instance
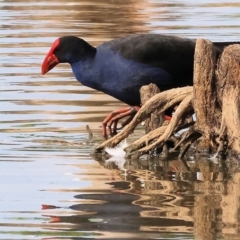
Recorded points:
(50, 186)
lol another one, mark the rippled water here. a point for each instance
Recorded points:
(50, 186)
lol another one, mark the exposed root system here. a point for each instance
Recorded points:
(214, 98)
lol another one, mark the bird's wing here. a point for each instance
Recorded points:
(150, 48)
(170, 53)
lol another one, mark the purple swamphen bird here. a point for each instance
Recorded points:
(122, 66)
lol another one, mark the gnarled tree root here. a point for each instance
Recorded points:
(153, 135)
(146, 139)
(214, 98)
(161, 101)
(184, 107)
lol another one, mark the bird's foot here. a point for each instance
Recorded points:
(111, 121)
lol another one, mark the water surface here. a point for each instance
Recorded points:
(51, 187)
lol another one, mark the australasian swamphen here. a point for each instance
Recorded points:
(121, 67)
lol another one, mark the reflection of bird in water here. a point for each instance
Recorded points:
(114, 212)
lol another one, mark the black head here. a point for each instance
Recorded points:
(67, 49)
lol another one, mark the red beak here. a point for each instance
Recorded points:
(49, 63)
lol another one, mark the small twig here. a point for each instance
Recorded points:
(90, 134)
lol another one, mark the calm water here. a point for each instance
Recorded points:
(50, 186)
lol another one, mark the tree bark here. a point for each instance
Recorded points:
(156, 118)
(228, 80)
(204, 94)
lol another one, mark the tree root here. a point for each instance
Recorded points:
(188, 141)
(148, 138)
(185, 106)
(145, 140)
(185, 136)
(214, 99)
(162, 101)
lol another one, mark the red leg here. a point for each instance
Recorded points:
(168, 117)
(110, 122)
(115, 116)
(126, 122)
(131, 111)
(114, 128)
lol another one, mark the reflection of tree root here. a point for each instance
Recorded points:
(162, 101)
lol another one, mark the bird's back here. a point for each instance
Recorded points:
(123, 65)
(170, 53)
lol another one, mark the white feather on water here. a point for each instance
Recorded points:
(117, 154)
(118, 150)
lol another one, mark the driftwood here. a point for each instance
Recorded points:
(214, 98)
